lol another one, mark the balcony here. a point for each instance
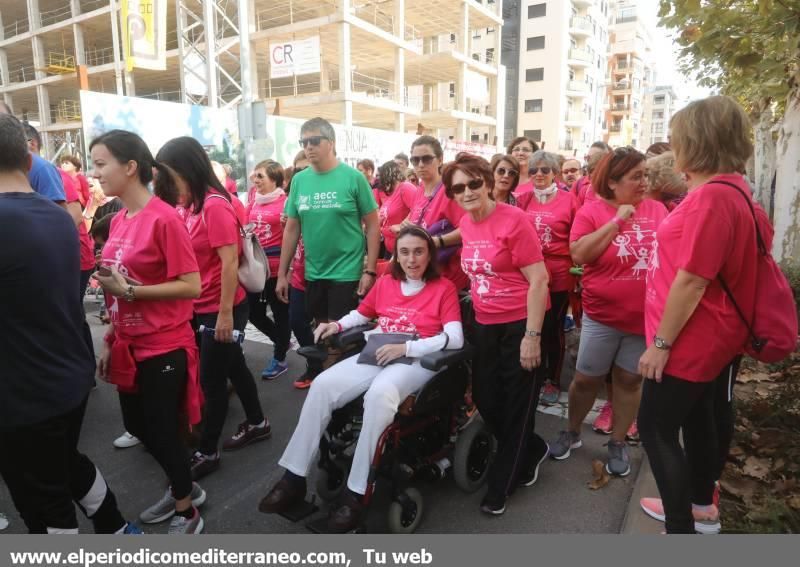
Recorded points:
(580, 26)
(567, 145)
(579, 58)
(577, 89)
(615, 128)
(582, 3)
(620, 88)
(575, 119)
(59, 14)
(16, 28)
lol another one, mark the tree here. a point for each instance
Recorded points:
(750, 49)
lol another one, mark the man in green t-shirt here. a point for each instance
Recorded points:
(328, 204)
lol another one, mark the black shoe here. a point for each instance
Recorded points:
(493, 505)
(203, 465)
(347, 516)
(532, 474)
(282, 497)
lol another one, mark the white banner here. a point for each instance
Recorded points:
(294, 58)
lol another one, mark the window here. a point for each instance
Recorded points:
(535, 135)
(536, 74)
(475, 138)
(490, 55)
(452, 90)
(537, 11)
(658, 99)
(658, 115)
(535, 43)
(489, 30)
(476, 56)
(533, 105)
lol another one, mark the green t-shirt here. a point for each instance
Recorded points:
(330, 206)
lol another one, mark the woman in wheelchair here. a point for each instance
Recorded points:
(420, 310)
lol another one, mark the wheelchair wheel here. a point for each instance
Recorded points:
(405, 514)
(332, 481)
(473, 454)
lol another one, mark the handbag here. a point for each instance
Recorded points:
(253, 265)
(773, 332)
(439, 228)
(377, 340)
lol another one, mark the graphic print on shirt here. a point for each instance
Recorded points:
(634, 247)
(319, 200)
(399, 321)
(479, 269)
(541, 221)
(261, 222)
(653, 256)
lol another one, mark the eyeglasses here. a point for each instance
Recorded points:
(259, 175)
(473, 185)
(570, 170)
(426, 160)
(522, 149)
(535, 170)
(502, 172)
(313, 140)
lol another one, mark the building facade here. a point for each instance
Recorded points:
(660, 103)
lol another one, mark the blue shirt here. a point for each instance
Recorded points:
(45, 179)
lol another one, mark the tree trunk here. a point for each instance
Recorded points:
(764, 162)
(786, 246)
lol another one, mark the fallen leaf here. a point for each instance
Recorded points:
(747, 377)
(794, 502)
(786, 485)
(600, 475)
(742, 488)
(757, 468)
(736, 452)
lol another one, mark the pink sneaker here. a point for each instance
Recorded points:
(633, 433)
(706, 519)
(603, 422)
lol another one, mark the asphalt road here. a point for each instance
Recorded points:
(560, 502)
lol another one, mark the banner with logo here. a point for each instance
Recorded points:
(144, 34)
(287, 58)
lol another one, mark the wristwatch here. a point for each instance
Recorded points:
(532, 333)
(130, 294)
(661, 343)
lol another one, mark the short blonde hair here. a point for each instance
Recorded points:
(662, 175)
(712, 135)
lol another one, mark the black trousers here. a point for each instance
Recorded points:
(327, 300)
(553, 343)
(278, 330)
(220, 362)
(704, 411)
(506, 396)
(155, 414)
(45, 474)
(301, 325)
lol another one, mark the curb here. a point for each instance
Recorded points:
(636, 522)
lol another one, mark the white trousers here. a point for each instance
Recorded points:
(385, 387)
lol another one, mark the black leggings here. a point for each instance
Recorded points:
(220, 362)
(507, 396)
(278, 330)
(553, 336)
(45, 474)
(704, 411)
(155, 414)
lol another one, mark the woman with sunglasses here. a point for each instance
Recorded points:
(612, 238)
(508, 284)
(521, 148)
(398, 197)
(434, 212)
(552, 211)
(265, 214)
(505, 169)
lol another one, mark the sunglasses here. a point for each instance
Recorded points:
(570, 170)
(502, 172)
(535, 170)
(313, 140)
(521, 149)
(426, 160)
(473, 185)
(259, 175)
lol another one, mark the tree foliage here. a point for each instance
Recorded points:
(748, 49)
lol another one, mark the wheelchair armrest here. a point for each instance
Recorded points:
(351, 336)
(317, 352)
(437, 360)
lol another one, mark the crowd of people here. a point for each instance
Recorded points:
(633, 245)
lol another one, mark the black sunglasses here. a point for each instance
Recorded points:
(535, 170)
(259, 175)
(473, 185)
(313, 140)
(426, 160)
(502, 171)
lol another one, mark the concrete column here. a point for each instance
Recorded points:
(43, 98)
(249, 69)
(75, 7)
(461, 89)
(465, 33)
(39, 57)
(4, 76)
(400, 64)
(130, 84)
(9, 100)
(345, 73)
(209, 22)
(33, 14)
(117, 45)
(2, 27)
(80, 48)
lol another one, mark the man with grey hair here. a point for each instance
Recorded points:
(329, 202)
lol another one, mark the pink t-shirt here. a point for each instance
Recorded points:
(423, 314)
(394, 209)
(213, 228)
(494, 251)
(239, 208)
(84, 240)
(553, 221)
(710, 233)
(268, 228)
(152, 247)
(586, 195)
(426, 212)
(230, 186)
(83, 188)
(523, 188)
(298, 280)
(613, 285)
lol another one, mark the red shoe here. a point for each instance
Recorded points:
(603, 422)
(304, 382)
(633, 433)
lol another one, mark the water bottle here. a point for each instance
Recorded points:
(238, 336)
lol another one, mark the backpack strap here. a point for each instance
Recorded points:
(242, 231)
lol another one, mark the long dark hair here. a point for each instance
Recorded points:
(126, 146)
(431, 272)
(185, 156)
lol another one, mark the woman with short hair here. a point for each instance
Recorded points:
(695, 335)
(664, 183)
(505, 169)
(521, 148)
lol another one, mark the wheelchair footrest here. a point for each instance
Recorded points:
(301, 511)
(320, 526)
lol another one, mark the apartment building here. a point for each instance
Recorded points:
(630, 74)
(555, 57)
(660, 103)
(402, 65)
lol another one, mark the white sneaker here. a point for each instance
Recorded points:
(3, 522)
(126, 440)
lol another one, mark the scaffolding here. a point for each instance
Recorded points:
(60, 63)
(68, 110)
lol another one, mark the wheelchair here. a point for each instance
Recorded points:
(431, 434)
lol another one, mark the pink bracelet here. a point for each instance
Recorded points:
(618, 221)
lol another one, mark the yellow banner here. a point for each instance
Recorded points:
(144, 34)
